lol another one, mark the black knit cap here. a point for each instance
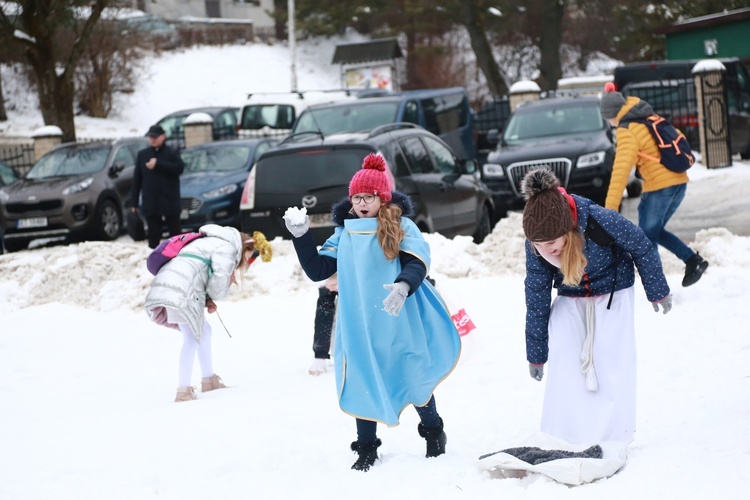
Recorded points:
(547, 214)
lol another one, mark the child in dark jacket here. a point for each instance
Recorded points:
(587, 335)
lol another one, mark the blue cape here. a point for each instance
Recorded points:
(383, 362)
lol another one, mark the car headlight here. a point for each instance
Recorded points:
(222, 191)
(78, 186)
(591, 159)
(493, 171)
(4, 196)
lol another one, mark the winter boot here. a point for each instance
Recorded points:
(435, 438)
(185, 394)
(694, 268)
(368, 453)
(211, 383)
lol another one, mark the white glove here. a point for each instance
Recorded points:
(297, 221)
(318, 366)
(395, 300)
(666, 304)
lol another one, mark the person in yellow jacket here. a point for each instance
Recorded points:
(663, 189)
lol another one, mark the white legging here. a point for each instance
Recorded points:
(189, 347)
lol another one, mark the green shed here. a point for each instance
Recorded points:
(713, 36)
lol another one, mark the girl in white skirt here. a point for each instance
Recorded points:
(588, 253)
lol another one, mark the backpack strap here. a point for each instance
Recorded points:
(200, 258)
(650, 122)
(596, 233)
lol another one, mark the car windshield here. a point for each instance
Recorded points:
(352, 117)
(534, 123)
(70, 161)
(224, 159)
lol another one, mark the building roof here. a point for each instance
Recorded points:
(375, 50)
(708, 21)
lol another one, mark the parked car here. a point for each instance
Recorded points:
(444, 112)
(213, 180)
(150, 29)
(224, 124)
(79, 191)
(566, 134)
(273, 113)
(8, 175)
(314, 172)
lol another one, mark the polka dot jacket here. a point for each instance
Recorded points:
(605, 267)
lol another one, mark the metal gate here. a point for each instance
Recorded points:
(712, 99)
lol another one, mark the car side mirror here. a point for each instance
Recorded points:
(115, 169)
(493, 136)
(470, 166)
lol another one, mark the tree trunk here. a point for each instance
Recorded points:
(56, 92)
(3, 113)
(550, 67)
(482, 49)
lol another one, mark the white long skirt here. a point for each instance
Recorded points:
(572, 411)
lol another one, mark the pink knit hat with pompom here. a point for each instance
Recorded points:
(373, 178)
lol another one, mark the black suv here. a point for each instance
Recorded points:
(566, 134)
(313, 171)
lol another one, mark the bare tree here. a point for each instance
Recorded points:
(3, 114)
(39, 28)
(482, 49)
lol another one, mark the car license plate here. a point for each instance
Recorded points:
(32, 222)
(321, 220)
(184, 215)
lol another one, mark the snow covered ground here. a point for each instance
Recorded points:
(87, 382)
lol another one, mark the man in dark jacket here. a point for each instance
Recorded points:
(157, 179)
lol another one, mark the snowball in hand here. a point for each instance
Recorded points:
(295, 216)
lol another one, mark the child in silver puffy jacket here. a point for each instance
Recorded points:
(184, 287)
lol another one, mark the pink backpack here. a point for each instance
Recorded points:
(168, 249)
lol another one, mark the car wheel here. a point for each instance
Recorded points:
(14, 245)
(109, 221)
(484, 227)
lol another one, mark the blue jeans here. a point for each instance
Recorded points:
(367, 429)
(655, 210)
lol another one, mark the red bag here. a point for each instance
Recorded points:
(463, 322)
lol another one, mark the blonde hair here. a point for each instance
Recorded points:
(572, 259)
(248, 245)
(390, 233)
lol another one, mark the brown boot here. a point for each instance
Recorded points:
(211, 383)
(185, 394)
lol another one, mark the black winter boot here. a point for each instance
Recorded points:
(694, 268)
(435, 438)
(368, 453)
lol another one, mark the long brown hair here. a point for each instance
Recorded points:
(572, 259)
(390, 233)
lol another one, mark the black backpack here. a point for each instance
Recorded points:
(674, 149)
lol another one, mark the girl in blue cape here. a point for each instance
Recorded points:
(392, 347)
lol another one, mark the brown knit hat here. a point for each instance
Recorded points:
(547, 214)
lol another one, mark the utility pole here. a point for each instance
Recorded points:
(292, 44)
